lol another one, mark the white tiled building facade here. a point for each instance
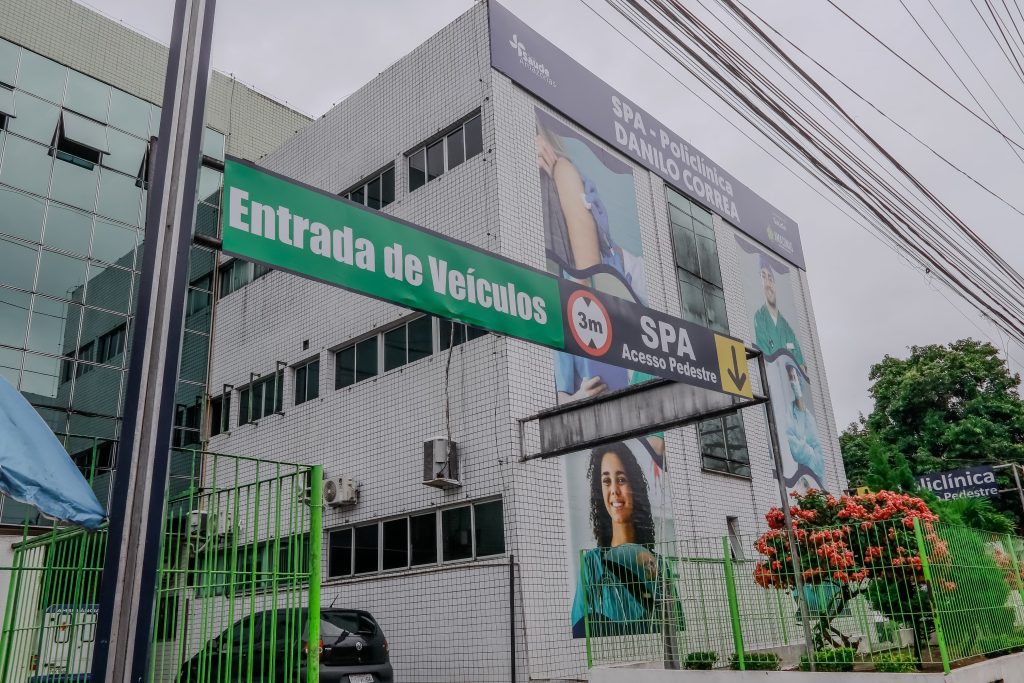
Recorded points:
(450, 620)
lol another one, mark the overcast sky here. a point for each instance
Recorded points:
(868, 301)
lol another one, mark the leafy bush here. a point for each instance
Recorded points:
(700, 660)
(757, 661)
(833, 659)
(894, 663)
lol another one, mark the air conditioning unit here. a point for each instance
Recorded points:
(204, 526)
(340, 491)
(440, 464)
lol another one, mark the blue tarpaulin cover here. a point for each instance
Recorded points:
(35, 469)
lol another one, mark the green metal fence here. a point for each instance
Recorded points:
(238, 586)
(892, 595)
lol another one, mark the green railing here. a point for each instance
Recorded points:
(890, 595)
(238, 586)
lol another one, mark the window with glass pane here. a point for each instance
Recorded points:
(358, 195)
(395, 348)
(421, 338)
(366, 359)
(723, 445)
(395, 545)
(489, 528)
(367, 540)
(344, 367)
(423, 539)
(216, 416)
(474, 137)
(457, 533)
(339, 553)
(435, 160)
(699, 271)
(307, 382)
(244, 403)
(373, 198)
(417, 169)
(456, 149)
(387, 187)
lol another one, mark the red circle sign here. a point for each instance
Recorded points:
(590, 323)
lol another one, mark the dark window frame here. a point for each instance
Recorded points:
(385, 175)
(301, 374)
(461, 129)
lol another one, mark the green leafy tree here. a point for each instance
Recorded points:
(942, 407)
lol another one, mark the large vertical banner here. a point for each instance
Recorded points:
(770, 297)
(617, 495)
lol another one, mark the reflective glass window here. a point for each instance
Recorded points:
(114, 243)
(423, 539)
(154, 120)
(387, 185)
(129, 113)
(125, 152)
(691, 295)
(42, 77)
(714, 300)
(373, 194)
(6, 104)
(61, 276)
(395, 347)
(435, 160)
(395, 546)
(17, 264)
(358, 195)
(457, 533)
(344, 367)
(36, 119)
(74, 184)
(108, 332)
(685, 247)
(21, 214)
(213, 143)
(26, 166)
(9, 54)
(707, 252)
(98, 392)
(367, 539)
(339, 559)
(109, 288)
(489, 528)
(456, 149)
(210, 182)
(67, 229)
(195, 357)
(120, 198)
(207, 222)
(41, 377)
(13, 316)
(474, 137)
(421, 338)
(417, 170)
(87, 96)
(10, 361)
(54, 327)
(366, 359)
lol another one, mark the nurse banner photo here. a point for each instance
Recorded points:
(769, 292)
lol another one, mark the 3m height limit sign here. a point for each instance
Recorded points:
(314, 234)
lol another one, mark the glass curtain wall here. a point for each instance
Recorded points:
(73, 188)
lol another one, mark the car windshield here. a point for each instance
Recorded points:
(334, 622)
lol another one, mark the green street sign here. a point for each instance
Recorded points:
(299, 229)
(314, 234)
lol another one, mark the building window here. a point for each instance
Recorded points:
(262, 398)
(111, 344)
(451, 333)
(408, 343)
(220, 412)
(697, 266)
(723, 445)
(376, 192)
(307, 382)
(79, 140)
(237, 273)
(699, 273)
(446, 152)
(356, 362)
(466, 532)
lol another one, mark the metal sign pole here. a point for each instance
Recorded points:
(130, 566)
(1016, 480)
(801, 598)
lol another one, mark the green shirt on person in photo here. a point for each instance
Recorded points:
(773, 335)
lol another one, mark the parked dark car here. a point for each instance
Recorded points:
(271, 646)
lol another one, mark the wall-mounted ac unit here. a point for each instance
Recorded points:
(204, 525)
(440, 464)
(340, 491)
